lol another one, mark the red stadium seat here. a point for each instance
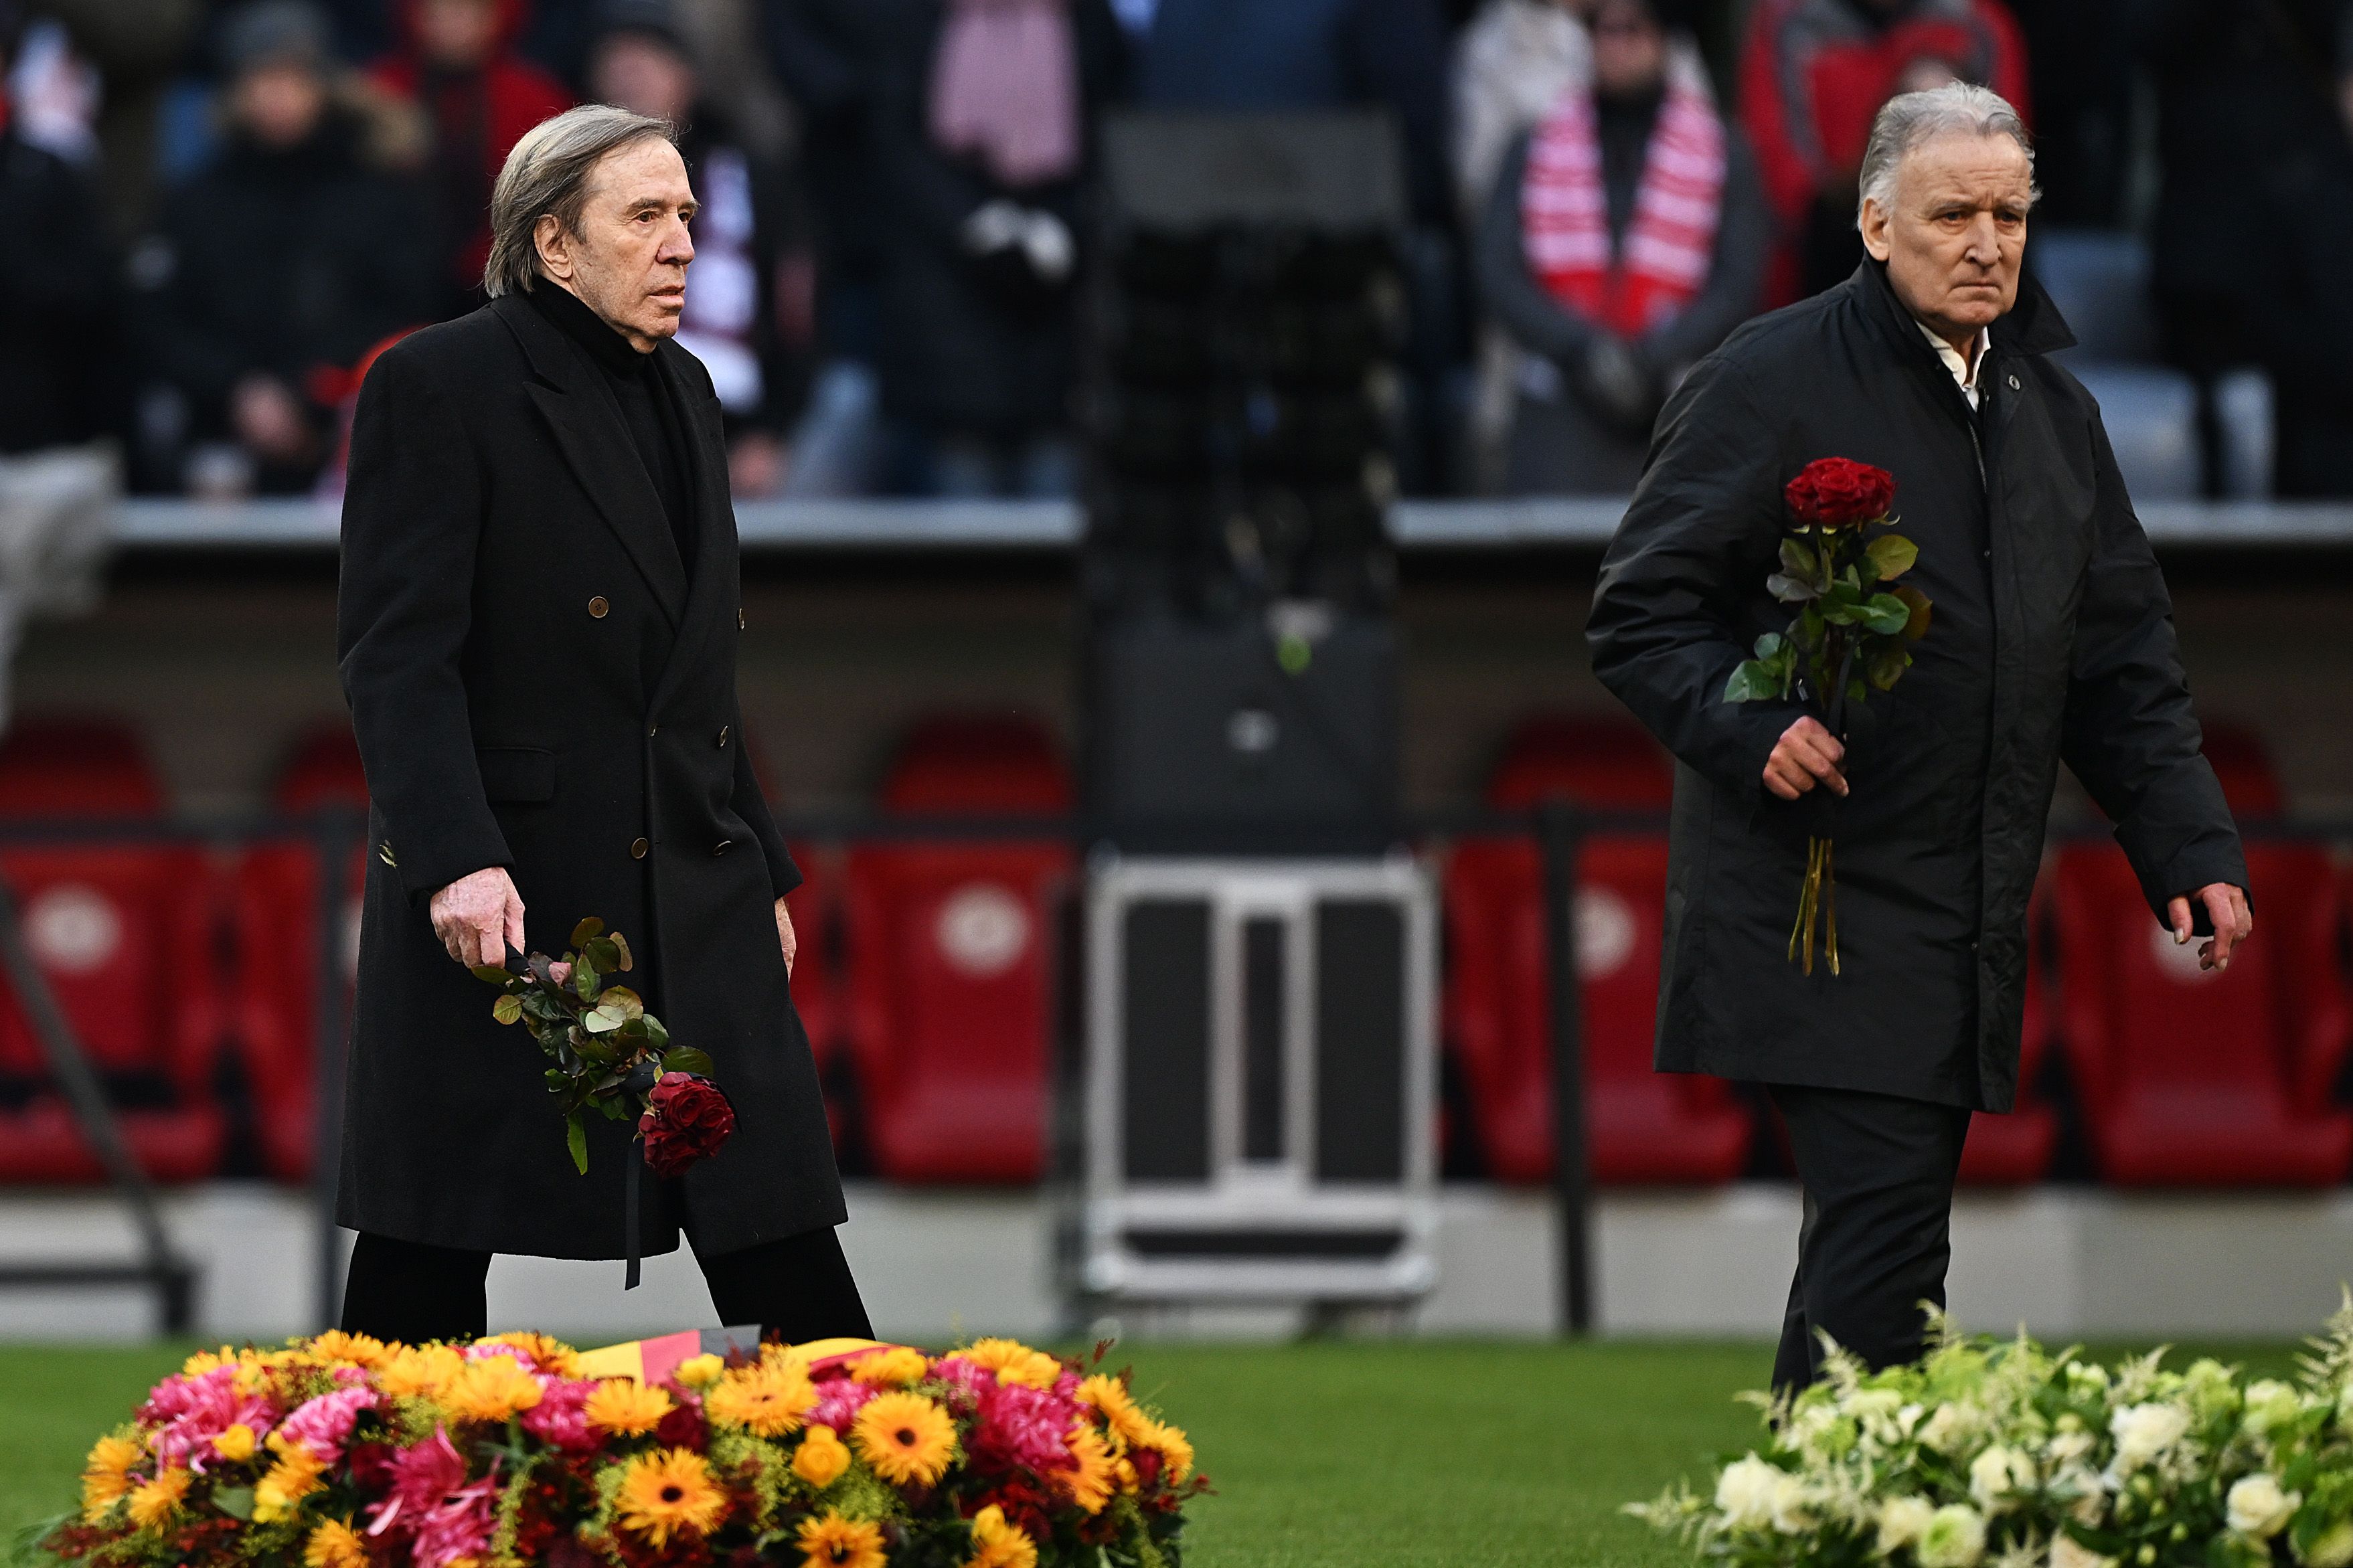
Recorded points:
(950, 954)
(123, 935)
(1642, 1126)
(2015, 1149)
(277, 925)
(2197, 1077)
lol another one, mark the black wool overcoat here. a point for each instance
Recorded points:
(535, 685)
(2051, 639)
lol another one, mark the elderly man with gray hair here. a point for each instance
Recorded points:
(2051, 639)
(538, 624)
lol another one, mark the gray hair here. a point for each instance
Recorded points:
(1912, 120)
(547, 175)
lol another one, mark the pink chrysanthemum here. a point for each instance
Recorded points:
(1021, 1427)
(325, 1425)
(838, 1402)
(561, 1417)
(193, 1411)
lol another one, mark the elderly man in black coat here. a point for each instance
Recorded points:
(538, 627)
(2051, 639)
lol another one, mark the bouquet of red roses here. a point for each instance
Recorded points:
(1851, 636)
(611, 1056)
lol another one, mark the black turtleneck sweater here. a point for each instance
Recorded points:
(642, 393)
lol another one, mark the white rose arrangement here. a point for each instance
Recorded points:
(1991, 1453)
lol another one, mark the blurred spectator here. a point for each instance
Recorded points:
(1312, 54)
(983, 119)
(58, 322)
(826, 56)
(1813, 74)
(1625, 237)
(282, 263)
(136, 46)
(458, 62)
(2081, 79)
(1513, 62)
(2255, 220)
(745, 276)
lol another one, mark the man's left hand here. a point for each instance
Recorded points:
(787, 940)
(2225, 905)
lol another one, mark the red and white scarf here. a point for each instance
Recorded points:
(1670, 239)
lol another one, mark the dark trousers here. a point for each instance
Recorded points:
(1878, 1173)
(799, 1289)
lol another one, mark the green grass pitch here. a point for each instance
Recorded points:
(1326, 1455)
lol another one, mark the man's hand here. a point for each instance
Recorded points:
(784, 937)
(478, 917)
(2233, 921)
(1805, 756)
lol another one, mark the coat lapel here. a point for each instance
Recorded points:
(709, 604)
(588, 431)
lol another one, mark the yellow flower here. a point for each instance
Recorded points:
(420, 1373)
(998, 1542)
(1110, 1395)
(1123, 1470)
(627, 1407)
(1091, 1483)
(1014, 1362)
(548, 1353)
(336, 1348)
(236, 1444)
(204, 1361)
(700, 1371)
(494, 1388)
(154, 1503)
(668, 1493)
(830, 1540)
(905, 1438)
(769, 1400)
(892, 1368)
(1176, 1449)
(821, 1457)
(334, 1544)
(774, 1353)
(294, 1477)
(106, 1474)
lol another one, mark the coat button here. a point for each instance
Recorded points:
(724, 732)
(2013, 384)
(637, 847)
(597, 608)
(723, 845)
(738, 617)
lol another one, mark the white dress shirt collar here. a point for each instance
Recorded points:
(1964, 371)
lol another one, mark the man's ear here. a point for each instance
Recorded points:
(554, 247)
(1874, 225)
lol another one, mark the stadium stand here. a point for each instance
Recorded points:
(950, 948)
(2198, 1077)
(1642, 1126)
(123, 935)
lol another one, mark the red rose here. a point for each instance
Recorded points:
(1838, 492)
(687, 1118)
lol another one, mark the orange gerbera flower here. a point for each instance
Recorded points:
(821, 1457)
(336, 1348)
(334, 1544)
(906, 1438)
(106, 1474)
(495, 1388)
(1092, 1478)
(1176, 1449)
(294, 1477)
(669, 1493)
(768, 1401)
(1013, 1361)
(830, 1540)
(547, 1354)
(1110, 1395)
(894, 1368)
(154, 1503)
(419, 1372)
(998, 1542)
(626, 1407)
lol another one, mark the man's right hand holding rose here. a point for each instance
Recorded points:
(478, 917)
(1806, 754)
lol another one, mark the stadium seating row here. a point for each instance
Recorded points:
(927, 981)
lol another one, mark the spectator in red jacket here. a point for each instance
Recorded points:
(458, 62)
(1812, 74)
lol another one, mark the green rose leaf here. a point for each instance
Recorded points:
(1887, 663)
(1801, 564)
(621, 945)
(1917, 627)
(586, 981)
(575, 1138)
(507, 1009)
(494, 974)
(1885, 615)
(1854, 692)
(686, 1058)
(1892, 554)
(624, 998)
(585, 930)
(1753, 681)
(655, 1036)
(234, 1501)
(1769, 646)
(604, 1018)
(1790, 590)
